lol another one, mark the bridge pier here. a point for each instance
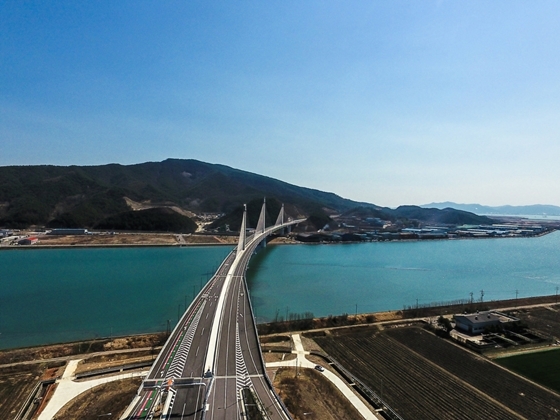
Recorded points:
(263, 243)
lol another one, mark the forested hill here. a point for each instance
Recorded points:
(164, 195)
(86, 196)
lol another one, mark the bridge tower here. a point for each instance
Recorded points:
(261, 224)
(280, 218)
(243, 231)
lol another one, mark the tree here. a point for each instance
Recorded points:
(445, 324)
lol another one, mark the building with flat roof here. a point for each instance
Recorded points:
(478, 322)
(68, 232)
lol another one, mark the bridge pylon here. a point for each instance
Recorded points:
(261, 224)
(280, 218)
(243, 231)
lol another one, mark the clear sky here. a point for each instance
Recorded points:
(389, 102)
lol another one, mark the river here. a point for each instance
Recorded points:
(56, 295)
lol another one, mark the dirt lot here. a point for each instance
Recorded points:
(16, 383)
(112, 360)
(133, 239)
(112, 397)
(120, 239)
(311, 396)
(23, 368)
(68, 350)
(546, 319)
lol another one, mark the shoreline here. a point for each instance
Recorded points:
(395, 315)
(83, 246)
(233, 244)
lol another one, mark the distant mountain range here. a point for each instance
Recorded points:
(535, 209)
(166, 196)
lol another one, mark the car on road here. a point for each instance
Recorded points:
(319, 368)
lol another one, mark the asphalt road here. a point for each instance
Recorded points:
(211, 356)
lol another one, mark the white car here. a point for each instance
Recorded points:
(319, 368)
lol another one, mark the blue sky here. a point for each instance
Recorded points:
(389, 102)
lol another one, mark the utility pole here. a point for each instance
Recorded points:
(481, 296)
(516, 293)
(472, 300)
(556, 294)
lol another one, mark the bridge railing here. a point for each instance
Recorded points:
(261, 360)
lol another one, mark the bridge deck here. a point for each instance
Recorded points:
(212, 354)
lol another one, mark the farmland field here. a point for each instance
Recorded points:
(519, 395)
(542, 319)
(542, 367)
(422, 376)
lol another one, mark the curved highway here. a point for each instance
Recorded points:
(211, 367)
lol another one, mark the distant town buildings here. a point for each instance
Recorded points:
(68, 232)
(32, 240)
(356, 230)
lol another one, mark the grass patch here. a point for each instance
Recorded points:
(542, 367)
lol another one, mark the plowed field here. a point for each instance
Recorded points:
(520, 395)
(422, 376)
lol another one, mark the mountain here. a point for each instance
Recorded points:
(91, 196)
(447, 216)
(165, 196)
(535, 209)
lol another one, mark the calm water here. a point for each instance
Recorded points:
(333, 279)
(51, 296)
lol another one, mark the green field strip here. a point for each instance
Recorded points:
(542, 367)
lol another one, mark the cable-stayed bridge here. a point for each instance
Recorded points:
(211, 367)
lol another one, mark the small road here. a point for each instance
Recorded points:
(79, 356)
(301, 362)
